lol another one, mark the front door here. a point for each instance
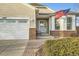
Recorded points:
(42, 27)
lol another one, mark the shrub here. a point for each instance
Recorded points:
(62, 47)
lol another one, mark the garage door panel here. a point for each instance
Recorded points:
(14, 30)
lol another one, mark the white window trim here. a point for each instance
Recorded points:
(73, 23)
(17, 18)
(52, 21)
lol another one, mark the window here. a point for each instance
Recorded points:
(22, 21)
(57, 25)
(1, 20)
(69, 23)
(10, 21)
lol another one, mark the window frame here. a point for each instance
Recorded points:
(69, 24)
(2, 20)
(57, 24)
(22, 21)
(10, 20)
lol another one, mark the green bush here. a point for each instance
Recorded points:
(62, 47)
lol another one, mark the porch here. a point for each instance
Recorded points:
(46, 25)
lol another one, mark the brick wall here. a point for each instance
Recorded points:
(63, 33)
(77, 30)
(32, 33)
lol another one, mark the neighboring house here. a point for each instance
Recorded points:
(27, 21)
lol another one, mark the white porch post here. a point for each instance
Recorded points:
(73, 22)
(63, 23)
(53, 23)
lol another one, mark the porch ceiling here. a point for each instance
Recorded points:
(43, 15)
(47, 15)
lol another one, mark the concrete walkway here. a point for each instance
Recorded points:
(32, 47)
(12, 47)
(21, 47)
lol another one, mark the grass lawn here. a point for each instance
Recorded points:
(62, 47)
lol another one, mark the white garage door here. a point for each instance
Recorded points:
(14, 29)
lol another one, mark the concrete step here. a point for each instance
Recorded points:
(45, 37)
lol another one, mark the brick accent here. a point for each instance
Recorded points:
(32, 33)
(77, 30)
(63, 33)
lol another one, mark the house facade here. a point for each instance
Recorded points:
(46, 24)
(27, 21)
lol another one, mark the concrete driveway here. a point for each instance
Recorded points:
(12, 47)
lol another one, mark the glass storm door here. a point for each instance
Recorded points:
(42, 26)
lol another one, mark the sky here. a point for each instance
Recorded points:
(62, 6)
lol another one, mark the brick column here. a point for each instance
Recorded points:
(32, 33)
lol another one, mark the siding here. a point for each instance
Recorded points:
(17, 10)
